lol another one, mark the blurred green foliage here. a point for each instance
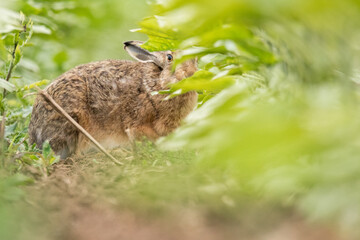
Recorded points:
(278, 98)
(287, 129)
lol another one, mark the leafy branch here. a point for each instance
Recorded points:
(20, 40)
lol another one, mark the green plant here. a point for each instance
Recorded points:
(279, 97)
(19, 33)
(15, 109)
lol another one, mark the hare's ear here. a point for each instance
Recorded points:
(140, 54)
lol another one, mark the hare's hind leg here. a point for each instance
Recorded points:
(69, 91)
(48, 125)
(66, 140)
(62, 135)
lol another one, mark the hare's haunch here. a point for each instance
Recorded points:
(112, 100)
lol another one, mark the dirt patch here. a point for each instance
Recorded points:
(74, 210)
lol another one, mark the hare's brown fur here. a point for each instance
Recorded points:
(112, 100)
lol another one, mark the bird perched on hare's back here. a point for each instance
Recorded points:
(112, 100)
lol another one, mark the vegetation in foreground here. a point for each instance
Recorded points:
(275, 132)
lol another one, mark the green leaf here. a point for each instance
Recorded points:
(41, 29)
(9, 21)
(7, 85)
(61, 57)
(203, 81)
(22, 18)
(159, 39)
(38, 84)
(54, 159)
(3, 51)
(18, 55)
(46, 149)
(10, 129)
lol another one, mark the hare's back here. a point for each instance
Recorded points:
(116, 84)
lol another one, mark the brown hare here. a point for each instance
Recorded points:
(113, 101)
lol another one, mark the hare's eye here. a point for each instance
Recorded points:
(169, 57)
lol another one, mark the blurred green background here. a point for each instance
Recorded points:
(75, 32)
(278, 113)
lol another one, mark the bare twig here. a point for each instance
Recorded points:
(72, 121)
(29, 94)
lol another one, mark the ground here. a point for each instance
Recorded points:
(90, 198)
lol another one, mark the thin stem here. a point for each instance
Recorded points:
(3, 120)
(12, 62)
(2, 140)
(8, 77)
